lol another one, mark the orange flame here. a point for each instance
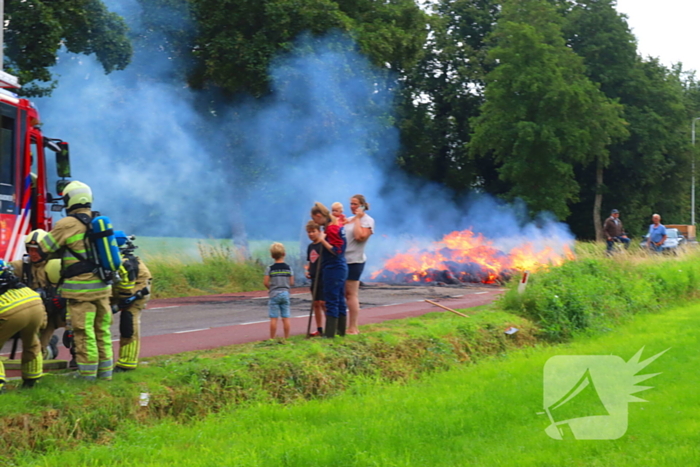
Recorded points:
(467, 257)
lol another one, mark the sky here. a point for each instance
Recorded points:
(665, 29)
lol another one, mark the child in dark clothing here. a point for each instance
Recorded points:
(313, 272)
(334, 269)
(278, 280)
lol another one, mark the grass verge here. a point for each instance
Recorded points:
(484, 415)
(595, 293)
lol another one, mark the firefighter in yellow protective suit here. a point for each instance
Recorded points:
(130, 297)
(21, 310)
(33, 271)
(89, 314)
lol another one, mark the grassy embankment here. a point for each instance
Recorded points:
(186, 267)
(580, 297)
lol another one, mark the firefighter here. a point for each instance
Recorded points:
(32, 271)
(88, 312)
(21, 311)
(130, 296)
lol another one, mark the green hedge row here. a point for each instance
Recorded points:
(592, 294)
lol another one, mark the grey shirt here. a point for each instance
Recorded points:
(280, 278)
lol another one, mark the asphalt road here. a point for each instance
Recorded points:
(176, 315)
(193, 323)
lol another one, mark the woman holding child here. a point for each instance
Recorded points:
(358, 229)
(334, 269)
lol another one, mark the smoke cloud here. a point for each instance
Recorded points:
(159, 165)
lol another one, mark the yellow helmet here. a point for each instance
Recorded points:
(53, 270)
(77, 195)
(35, 237)
(33, 240)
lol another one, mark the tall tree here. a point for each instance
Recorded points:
(37, 29)
(443, 92)
(599, 34)
(542, 115)
(651, 95)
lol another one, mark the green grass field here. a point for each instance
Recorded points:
(484, 415)
(189, 249)
(187, 266)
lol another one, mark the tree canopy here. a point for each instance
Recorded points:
(548, 101)
(541, 115)
(236, 41)
(37, 29)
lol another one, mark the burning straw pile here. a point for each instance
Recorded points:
(465, 257)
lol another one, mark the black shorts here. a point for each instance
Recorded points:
(355, 271)
(319, 292)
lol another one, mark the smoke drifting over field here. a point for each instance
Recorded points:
(159, 165)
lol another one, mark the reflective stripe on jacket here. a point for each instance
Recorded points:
(16, 297)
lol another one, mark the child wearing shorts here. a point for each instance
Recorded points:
(278, 280)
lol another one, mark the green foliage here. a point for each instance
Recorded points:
(593, 294)
(443, 91)
(236, 41)
(223, 269)
(647, 172)
(541, 115)
(37, 29)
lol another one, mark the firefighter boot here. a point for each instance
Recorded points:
(331, 326)
(28, 383)
(73, 364)
(342, 325)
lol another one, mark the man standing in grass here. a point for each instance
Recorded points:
(614, 232)
(278, 279)
(657, 233)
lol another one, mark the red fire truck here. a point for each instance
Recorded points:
(25, 202)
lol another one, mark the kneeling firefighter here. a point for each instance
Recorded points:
(130, 296)
(21, 311)
(34, 271)
(89, 314)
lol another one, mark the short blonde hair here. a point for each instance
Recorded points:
(311, 226)
(337, 205)
(277, 251)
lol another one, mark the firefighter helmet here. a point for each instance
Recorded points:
(77, 195)
(5, 272)
(32, 243)
(53, 270)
